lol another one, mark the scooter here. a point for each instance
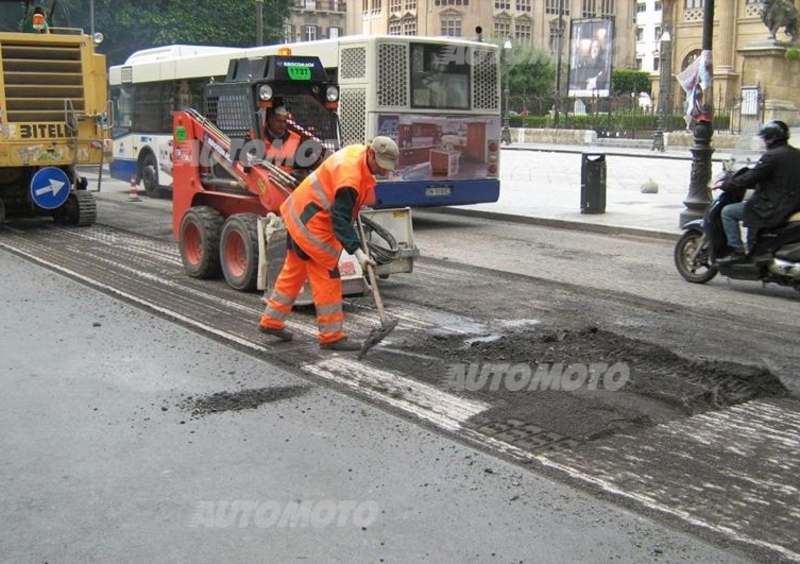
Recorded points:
(775, 256)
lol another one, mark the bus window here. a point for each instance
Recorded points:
(439, 77)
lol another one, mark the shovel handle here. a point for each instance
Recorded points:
(371, 273)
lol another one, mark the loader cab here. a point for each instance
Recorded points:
(239, 105)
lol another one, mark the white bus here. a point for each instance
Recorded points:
(438, 97)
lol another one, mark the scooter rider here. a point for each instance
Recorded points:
(776, 179)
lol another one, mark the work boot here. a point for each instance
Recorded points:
(283, 333)
(342, 344)
(734, 256)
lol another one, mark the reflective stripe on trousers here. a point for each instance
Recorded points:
(326, 289)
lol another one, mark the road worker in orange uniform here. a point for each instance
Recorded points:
(319, 217)
(281, 143)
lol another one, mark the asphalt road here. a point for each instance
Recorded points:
(700, 473)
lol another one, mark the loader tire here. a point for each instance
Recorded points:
(200, 231)
(238, 251)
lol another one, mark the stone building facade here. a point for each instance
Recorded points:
(751, 71)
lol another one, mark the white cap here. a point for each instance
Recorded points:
(280, 111)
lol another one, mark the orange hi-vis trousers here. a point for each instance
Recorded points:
(326, 290)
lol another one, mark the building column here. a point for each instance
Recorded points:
(724, 52)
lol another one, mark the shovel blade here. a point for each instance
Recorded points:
(376, 336)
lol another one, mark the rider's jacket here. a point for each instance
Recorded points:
(776, 179)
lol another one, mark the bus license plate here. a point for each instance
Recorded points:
(438, 191)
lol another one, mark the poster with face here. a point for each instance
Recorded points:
(590, 60)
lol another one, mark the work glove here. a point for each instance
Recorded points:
(364, 259)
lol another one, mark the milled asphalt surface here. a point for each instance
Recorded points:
(101, 463)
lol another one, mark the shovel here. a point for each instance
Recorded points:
(387, 325)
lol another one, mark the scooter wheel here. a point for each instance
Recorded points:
(692, 260)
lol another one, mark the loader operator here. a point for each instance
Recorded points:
(281, 143)
(319, 217)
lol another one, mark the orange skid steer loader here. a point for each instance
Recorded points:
(227, 189)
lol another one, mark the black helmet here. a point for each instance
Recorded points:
(774, 132)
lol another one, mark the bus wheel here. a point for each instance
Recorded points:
(80, 209)
(148, 172)
(238, 251)
(199, 241)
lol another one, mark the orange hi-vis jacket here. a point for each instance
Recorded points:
(307, 211)
(283, 151)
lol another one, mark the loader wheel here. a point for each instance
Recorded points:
(79, 209)
(199, 241)
(238, 251)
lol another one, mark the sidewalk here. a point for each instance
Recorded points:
(542, 184)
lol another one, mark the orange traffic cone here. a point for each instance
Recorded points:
(133, 195)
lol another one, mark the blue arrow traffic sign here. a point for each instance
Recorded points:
(50, 187)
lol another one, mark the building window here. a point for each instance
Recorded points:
(334, 32)
(311, 33)
(657, 33)
(551, 7)
(522, 33)
(308, 4)
(553, 39)
(523, 5)
(412, 5)
(502, 27)
(288, 33)
(502, 4)
(659, 7)
(451, 26)
(395, 27)
(693, 4)
(409, 26)
(639, 34)
(365, 7)
(376, 6)
(606, 8)
(588, 8)
(655, 63)
(396, 5)
(451, 3)
(638, 64)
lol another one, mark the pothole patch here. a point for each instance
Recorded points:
(240, 400)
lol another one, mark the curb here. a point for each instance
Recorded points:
(562, 224)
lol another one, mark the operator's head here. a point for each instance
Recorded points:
(774, 133)
(276, 121)
(382, 155)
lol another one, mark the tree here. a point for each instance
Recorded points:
(530, 71)
(130, 26)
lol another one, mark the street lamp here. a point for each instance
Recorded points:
(506, 135)
(559, 49)
(699, 194)
(665, 87)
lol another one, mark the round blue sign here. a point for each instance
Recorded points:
(50, 187)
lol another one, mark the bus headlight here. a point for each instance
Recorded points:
(265, 92)
(332, 94)
(97, 38)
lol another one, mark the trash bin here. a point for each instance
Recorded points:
(593, 183)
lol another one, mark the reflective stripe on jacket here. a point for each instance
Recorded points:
(307, 211)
